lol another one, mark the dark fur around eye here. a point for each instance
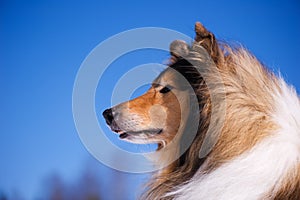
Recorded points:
(165, 90)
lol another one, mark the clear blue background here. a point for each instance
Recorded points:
(42, 44)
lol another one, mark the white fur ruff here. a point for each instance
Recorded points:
(255, 173)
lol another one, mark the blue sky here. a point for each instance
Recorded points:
(43, 44)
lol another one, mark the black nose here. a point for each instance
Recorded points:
(108, 116)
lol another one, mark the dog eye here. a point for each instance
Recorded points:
(165, 90)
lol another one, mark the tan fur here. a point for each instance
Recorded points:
(247, 121)
(290, 189)
(248, 118)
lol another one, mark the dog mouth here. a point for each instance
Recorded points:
(127, 134)
(130, 135)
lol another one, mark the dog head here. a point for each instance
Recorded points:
(159, 114)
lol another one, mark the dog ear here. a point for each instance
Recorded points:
(178, 49)
(207, 40)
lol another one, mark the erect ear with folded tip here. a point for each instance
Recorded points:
(178, 49)
(207, 40)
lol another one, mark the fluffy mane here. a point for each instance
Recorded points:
(262, 112)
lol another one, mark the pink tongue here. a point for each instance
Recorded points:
(123, 135)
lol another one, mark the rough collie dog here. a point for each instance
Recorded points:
(257, 152)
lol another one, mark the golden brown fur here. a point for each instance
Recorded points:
(290, 189)
(247, 111)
